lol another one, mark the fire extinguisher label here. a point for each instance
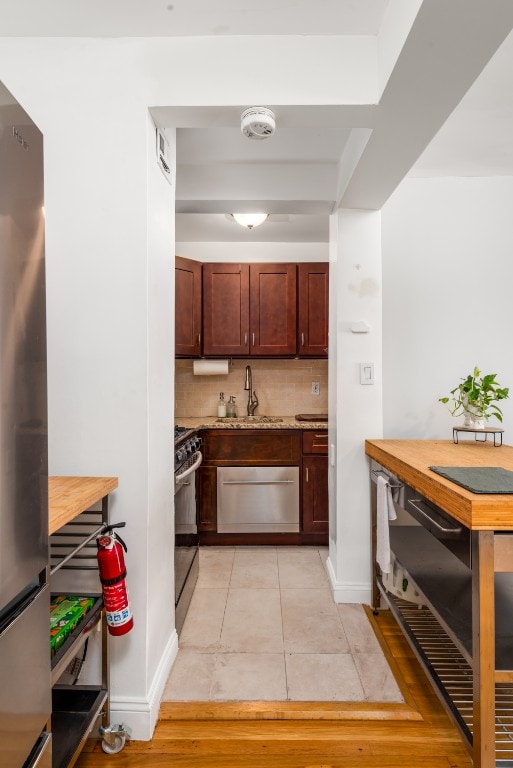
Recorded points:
(118, 618)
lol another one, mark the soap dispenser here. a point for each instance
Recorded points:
(231, 408)
(221, 406)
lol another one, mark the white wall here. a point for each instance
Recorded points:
(256, 252)
(109, 246)
(355, 409)
(447, 298)
(160, 627)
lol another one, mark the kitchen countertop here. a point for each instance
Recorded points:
(211, 422)
(410, 460)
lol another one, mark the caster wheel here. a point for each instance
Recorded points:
(117, 746)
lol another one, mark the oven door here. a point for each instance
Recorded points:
(185, 474)
(186, 539)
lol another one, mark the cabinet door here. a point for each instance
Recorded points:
(313, 309)
(273, 309)
(315, 494)
(187, 307)
(207, 498)
(226, 309)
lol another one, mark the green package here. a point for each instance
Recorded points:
(65, 613)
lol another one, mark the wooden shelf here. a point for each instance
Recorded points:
(77, 638)
(74, 712)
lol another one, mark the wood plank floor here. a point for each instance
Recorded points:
(416, 734)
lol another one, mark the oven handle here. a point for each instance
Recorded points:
(197, 461)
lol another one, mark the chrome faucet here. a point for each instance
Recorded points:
(252, 398)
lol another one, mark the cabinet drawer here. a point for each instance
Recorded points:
(251, 446)
(315, 442)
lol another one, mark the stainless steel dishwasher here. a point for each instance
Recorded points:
(258, 499)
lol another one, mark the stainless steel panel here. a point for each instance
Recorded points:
(257, 499)
(25, 694)
(186, 544)
(449, 532)
(185, 506)
(412, 509)
(186, 574)
(23, 399)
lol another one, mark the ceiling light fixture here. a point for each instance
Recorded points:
(250, 220)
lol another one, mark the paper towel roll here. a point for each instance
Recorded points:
(210, 367)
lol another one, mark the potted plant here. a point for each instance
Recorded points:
(476, 397)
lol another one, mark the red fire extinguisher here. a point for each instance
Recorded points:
(111, 564)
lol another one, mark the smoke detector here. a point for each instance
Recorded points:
(257, 123)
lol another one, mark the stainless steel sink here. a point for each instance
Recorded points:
(250, 419)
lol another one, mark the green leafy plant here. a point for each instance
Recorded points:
(477, 395)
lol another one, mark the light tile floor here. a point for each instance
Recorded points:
(262, 626)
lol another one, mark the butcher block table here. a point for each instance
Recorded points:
(68, 497)
(76, 708)
(449, 585)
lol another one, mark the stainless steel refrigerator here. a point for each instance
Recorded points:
(25, 688)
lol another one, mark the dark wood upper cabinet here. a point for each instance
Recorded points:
(313, 309)
(272, 289)
(226, 309)
(260, 310)
(249, 309)
(187, 307)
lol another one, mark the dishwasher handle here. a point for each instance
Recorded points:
(433, 518)
(257, 482)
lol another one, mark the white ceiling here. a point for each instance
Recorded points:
(477, 139)
(168, 18)
(294, 173)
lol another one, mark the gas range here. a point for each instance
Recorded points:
(187, 445)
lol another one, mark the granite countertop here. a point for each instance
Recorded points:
(212, 422)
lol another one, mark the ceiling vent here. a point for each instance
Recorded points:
(257, 123)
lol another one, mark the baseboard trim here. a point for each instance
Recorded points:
(348, 592)
(141, 714)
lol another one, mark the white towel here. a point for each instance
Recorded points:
(385, 512)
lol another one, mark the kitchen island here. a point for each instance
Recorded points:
(466, 599)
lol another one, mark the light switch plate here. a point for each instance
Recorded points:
(366, 373)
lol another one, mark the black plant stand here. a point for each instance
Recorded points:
(495, 431)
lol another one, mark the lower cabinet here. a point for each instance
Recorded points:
(306, 523)
(315, 482)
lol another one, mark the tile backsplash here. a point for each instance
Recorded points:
(283, 387)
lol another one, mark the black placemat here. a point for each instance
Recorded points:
(479, 479)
